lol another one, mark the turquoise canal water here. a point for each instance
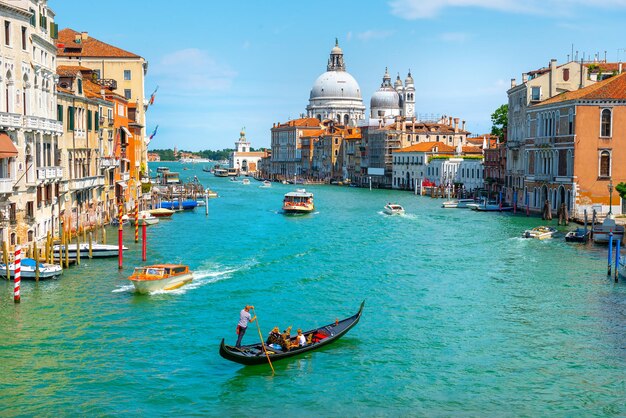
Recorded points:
(462, 317)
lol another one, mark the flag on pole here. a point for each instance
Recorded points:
(152, 96)
(148, 139)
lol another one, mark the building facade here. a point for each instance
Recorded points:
(243, 158)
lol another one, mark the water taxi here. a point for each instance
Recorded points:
(160, 277)
(162, 212)
(245, 181)
(457, 203)
(266, 184)
(28, 267)
(540, 232)
(393, 209)
(299, 201)
(220, 172)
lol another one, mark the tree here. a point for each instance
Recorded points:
(621, 189)
(499, 119)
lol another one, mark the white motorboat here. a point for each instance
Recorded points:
(393, 209)
(601, 233)
(266, 184)
(160, 277)
(145, 217)
(162, 213)
(245, 181)
(458, 203)
(28, 267)
(98, 250)
(489, 207)
(540, 232)
(299, 201)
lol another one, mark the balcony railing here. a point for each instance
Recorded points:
(42, 124)
(109, 162)
(86, 183)
(10, 120)
(49, 173)
(6, 185)
(125, 176)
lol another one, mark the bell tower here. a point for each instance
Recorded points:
(242, 145)
(409, 96)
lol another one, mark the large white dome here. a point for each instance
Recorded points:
(335, 84)
(385, 98)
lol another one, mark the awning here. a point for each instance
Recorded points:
(122, 184)
(127, 132)
(7, 148)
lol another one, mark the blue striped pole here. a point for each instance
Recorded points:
(610, 252)
(617, 257)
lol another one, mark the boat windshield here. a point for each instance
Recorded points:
(149, 271)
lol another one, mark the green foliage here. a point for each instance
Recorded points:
(499, 120)
(621, 189)
(146, 187)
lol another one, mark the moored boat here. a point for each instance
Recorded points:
(602, 232)
(490, 207)
(28, 269)
(299, 201)
(245, 181)
(316, 338)
(266, 184)
(98, 250)
(145, 217)
(457, 203)
(220, 172)
(160, 277)
(174, 205)
(162, 212)
(211, 193)
(393, 209)
(578, 235)
(540, 232)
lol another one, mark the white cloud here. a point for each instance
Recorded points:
(455, 37)
(192, 72)
(374, 34)
(348, 36)
(425, 9)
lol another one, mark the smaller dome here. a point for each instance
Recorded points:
(408, 79)
(398, 82)
(385, 98)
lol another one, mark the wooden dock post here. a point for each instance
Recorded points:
(5, 255)
(206, 202)
(67, 249)
(120, 246)
(617, 257)
(36, 257)
(104, 235)
(18, 275)
(77, 250)
(90, 245)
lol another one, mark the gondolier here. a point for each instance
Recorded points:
(244, 319)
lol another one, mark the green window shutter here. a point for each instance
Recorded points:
(96, 122)
(60, 113)
(70, 118)
(89, 125)
(56, 31)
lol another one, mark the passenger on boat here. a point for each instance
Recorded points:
(242, 326)
(300, 339)
(274, 337)
(285, 342)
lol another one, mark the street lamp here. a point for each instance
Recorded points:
(610, 187)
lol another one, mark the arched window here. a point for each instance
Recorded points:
(605, 164)
(346, 119)
(570, 122)
(605, 123)
(557, 123)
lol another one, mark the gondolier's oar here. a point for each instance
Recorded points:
(258, 327)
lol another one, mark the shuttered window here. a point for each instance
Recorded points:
(89, 125)
(70, 118)
(96, 122)
(60, 113)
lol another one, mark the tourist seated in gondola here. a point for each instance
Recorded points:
(300, 340)
(274, 339)
(286, 339)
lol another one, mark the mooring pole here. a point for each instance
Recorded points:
(144, 242)
(610, 252)
(120, 233)
(17, 263)
(617, 244)
(137, 222)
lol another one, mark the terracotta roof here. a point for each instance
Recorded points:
(90, 47)
(63, 90)
(302, 122)
(72, 69)
(611, 88)
(313, 132)
(251, 154)
(427, 147)
(472, 150)
(605, 67)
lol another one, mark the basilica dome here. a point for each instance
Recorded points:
(335, 84)
(385, 98)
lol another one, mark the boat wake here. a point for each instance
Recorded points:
(126, 288)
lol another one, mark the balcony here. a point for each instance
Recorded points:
(49, 173)
(109, 162)
(10, 120)
(125, 176)
(6, 185)
(86, 183)
(43, 124)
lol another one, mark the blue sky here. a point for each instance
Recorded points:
(225, 65)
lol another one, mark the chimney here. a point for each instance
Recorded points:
(77, 38)
(552, 77)
(463, 126)
(524, 77)
(456, 125)
(619, 68)
(84, 36)
(513, 83)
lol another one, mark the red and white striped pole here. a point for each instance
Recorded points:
(18, 274)
(137, 221)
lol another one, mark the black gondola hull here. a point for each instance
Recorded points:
(253, 354)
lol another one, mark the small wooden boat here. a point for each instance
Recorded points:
(578, 235)
(457, 203)
(98, 250)
(393, 209)
(160, 277)
(319, 337)
(245, 181)
(27, 269)
(299, 201)
(145, 217)
(602, 232)
(162, 213)
(266, 184)
(540, 232)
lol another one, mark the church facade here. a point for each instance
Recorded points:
(243, 159)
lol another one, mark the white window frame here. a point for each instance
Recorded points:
(610, 109)
(600, 152)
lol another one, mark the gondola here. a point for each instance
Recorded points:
(319, 337)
